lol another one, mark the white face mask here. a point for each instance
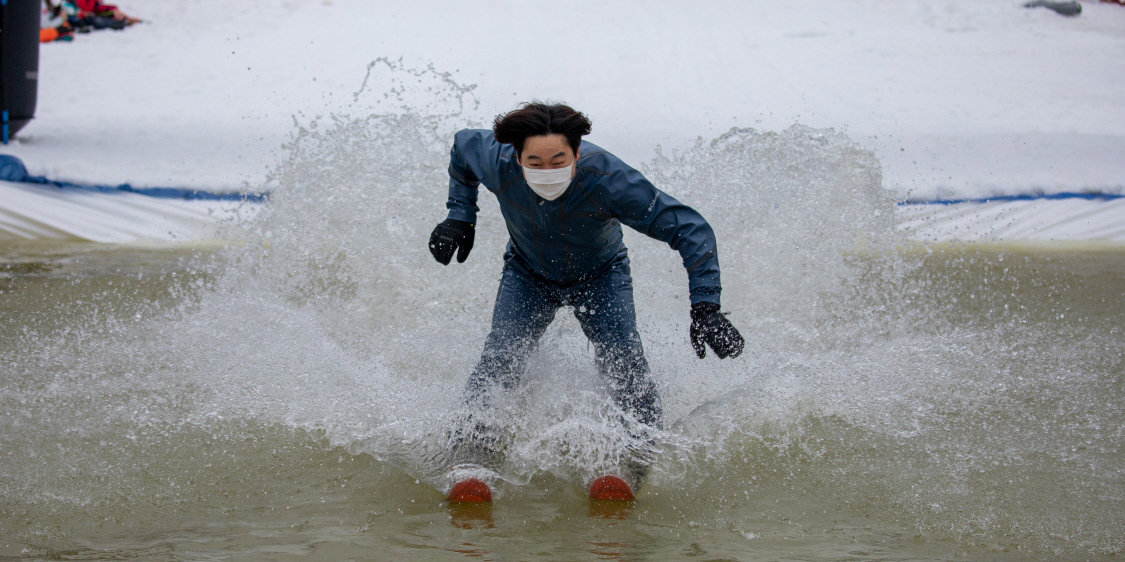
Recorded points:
(549, 184)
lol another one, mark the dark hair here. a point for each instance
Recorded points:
(535, 118)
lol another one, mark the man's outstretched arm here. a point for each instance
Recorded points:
(458, 231)
(654, 213)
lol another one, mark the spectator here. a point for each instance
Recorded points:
(84, 15)
(53, 25)
(97, 9)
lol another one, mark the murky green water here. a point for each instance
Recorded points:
(1017, 456)
(286, 397)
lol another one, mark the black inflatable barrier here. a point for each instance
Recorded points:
(19, 63)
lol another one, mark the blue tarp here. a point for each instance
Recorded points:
(13, 170)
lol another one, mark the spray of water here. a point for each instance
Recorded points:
(871, 377)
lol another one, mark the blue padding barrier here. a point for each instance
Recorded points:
(13, 170)
(1052, 196)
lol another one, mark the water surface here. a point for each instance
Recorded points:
(285, 397)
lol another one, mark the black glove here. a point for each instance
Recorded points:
(711, 327)
(452, 235)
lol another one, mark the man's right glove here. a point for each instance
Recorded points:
(451, 235)
(711, 327)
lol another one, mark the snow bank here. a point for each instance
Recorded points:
(36, 212)
(1039, 220)
(957, 100)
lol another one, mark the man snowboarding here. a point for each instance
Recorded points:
(564, 201)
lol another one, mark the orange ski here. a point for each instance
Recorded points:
(610, 487)
(470, 490)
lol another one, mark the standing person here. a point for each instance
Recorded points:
(564, 201)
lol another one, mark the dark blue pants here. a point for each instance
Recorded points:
(525, 305)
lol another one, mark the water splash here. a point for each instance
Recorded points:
(965, 392)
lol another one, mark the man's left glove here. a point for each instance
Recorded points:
(711, 327)
(451, 235)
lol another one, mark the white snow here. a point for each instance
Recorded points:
(957, 99)
(1065, 219)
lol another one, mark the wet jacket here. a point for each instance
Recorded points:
(571, 238)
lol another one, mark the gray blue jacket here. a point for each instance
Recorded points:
(568, 239)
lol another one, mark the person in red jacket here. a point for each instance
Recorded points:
(97, 8)
(84, 15)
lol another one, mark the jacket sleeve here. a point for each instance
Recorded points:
(640, 205)
(473, 150)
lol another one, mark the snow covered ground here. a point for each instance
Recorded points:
(1070, 219)
(957, 99)
(37, 212)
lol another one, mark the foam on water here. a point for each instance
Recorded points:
(871, 379)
